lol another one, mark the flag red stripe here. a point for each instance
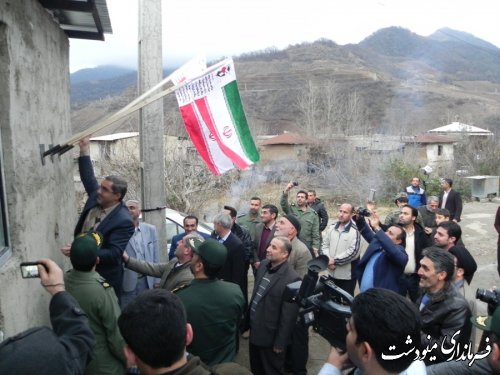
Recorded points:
(196, 134)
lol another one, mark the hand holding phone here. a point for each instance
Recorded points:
(52, 277)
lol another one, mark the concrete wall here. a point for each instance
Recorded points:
(34, 110)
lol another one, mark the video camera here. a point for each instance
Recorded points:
(362, 211)
(492, 298)
(323, 304)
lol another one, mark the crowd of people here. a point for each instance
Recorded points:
(120, 310)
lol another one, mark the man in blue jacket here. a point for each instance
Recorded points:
(416, 195)
(104, 212)
(385, 258)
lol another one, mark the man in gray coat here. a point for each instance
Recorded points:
(143, 245)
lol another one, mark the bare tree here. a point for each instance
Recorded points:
(307, 104)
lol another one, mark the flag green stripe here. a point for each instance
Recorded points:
(233, 101)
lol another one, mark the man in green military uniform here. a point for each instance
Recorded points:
(252, 218)
(98, 299)
(214, 307)
(392, 218)
(308, 218)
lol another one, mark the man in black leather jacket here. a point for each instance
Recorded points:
(445, 314)
(66, 349)
(319, 207)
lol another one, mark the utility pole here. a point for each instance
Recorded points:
(152, 146)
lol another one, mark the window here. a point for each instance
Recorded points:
(440, 150)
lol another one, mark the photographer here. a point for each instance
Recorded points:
(381, 319)
(66, 349)
(385, 259)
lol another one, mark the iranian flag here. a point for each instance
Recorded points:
(215, 121)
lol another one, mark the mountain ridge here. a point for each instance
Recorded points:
(396, 76)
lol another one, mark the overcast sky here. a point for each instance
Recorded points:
(230, 27)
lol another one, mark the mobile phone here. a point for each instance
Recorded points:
(371, 196)
(29, 270)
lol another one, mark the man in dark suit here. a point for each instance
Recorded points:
(264, 233)
(234, 267)
(105, 213)
(270, 318)
(450, 199)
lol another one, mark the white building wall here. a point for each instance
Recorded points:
(441, 162)
(34, 110)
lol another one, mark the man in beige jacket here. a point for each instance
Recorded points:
(173, 274)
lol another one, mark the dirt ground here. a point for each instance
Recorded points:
(479, 237)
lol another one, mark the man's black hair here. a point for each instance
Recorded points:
(302, 192)
(272, 209)
(452, 228)
(383, 318)
(85, 267)
(119, 185)
(255, 199)
(232, 211)
(154, 326)
(443, 212)
(414, 211)
(190, 217)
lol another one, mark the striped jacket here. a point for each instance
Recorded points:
(343, 246)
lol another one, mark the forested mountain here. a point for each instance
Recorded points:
(394, 81)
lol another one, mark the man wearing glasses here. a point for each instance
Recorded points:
(106, 213)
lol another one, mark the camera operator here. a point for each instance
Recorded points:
(66, 349)
(385, 258)
(380, 320)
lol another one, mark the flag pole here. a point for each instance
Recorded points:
(133, 106)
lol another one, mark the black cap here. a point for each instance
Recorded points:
(466, 261)
(295, 222)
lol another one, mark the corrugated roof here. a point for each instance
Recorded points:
(288, 139)
(81, 19)
(458, 127)
(430, 138)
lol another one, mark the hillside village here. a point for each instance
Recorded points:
(386, 98)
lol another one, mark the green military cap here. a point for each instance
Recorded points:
(490, 324)
(211, 250)
(84, 249)
(401, 197)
